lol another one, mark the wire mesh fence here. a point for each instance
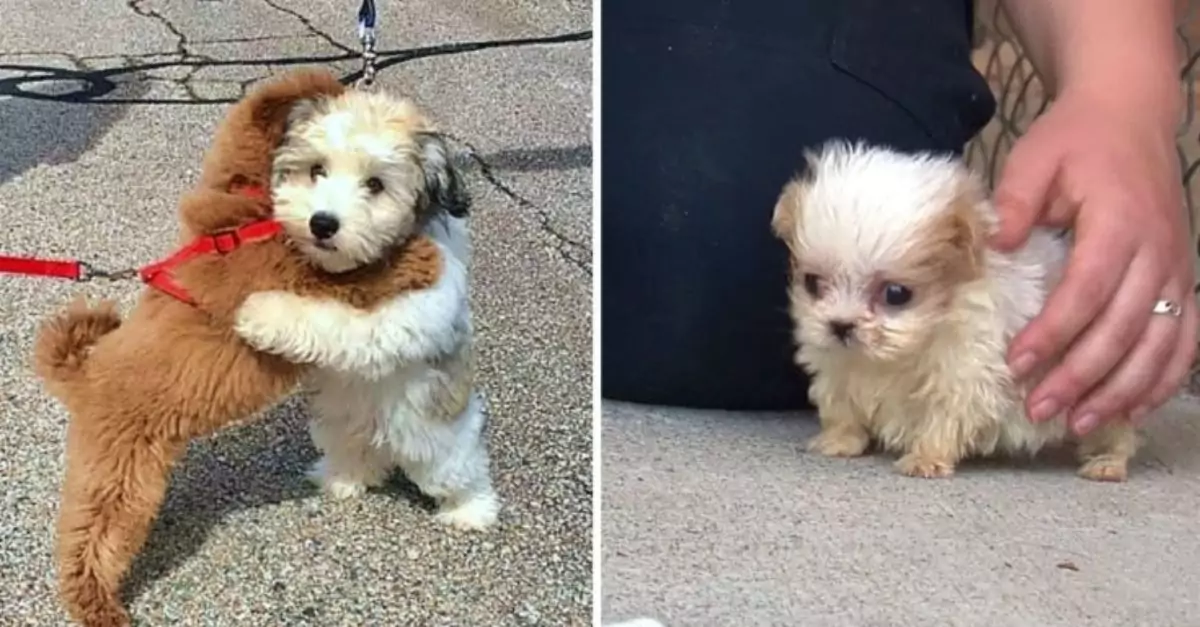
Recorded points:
(1020, 98)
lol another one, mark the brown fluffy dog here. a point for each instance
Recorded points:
(138, 390)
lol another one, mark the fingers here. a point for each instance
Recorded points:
(1105, 343)
(1130, 382)
(1093, 274)
(1172, 377)
(1021, 195)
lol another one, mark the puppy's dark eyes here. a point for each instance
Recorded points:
(812, 285)
(317, 171)
(896, 295)
(374, 185)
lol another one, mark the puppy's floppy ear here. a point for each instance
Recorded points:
(252, 128)
(443, 184)
(274, 104)
(960, 237)
(786, 218)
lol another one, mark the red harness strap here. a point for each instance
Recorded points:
(158, 274)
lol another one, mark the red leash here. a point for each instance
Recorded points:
(74, 270)
(158, 274)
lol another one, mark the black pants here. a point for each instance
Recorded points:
(707, 107)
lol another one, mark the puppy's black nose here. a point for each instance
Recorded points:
(841, 330)
(323, 225)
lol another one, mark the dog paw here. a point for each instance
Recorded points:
(474, 514)
(1105, 468)
(107, 616)
(88, 598)
(839, 444)
(341, 489)
(337, 485)
(260, 317)
(915, 465)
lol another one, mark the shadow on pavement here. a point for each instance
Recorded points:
(53, 133)
(540, 159)
(103, 86)
(255, 465)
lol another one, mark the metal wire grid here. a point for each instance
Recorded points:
(1021, 98)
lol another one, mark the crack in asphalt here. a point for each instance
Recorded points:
(184, 52)
(181, 45)
(100, 82)
(573, 252)
(180, 39)
(316, 32)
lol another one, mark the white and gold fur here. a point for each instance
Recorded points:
(394, 386)
(927, 380)
(353, 138)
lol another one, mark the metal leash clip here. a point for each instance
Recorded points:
(366, 35)
(89, 273)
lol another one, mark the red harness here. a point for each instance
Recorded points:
(158, 274)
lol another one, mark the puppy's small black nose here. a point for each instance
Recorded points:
(841, 330)
(323, 225)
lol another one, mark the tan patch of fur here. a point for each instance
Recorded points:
(926, 466)
(138, 390)
(785, 219)
(964, 232)
(951, 249)
(842, 435)
(1105, 452)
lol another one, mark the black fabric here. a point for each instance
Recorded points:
(707, 108)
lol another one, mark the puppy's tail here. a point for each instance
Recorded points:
(61, 348)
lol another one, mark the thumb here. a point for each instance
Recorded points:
(1021, 195)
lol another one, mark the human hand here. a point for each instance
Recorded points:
(1112, 174)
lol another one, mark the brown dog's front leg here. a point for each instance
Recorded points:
(206, 211)
(111, 494)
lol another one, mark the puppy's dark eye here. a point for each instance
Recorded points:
(317, 171)
(374, 185)
(812, 285)
(896, 295)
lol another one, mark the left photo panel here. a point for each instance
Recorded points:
(296, 313)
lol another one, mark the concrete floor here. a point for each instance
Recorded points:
(243, 539)
(714, 519)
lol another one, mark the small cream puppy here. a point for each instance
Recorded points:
(394, 387)
(903, 313)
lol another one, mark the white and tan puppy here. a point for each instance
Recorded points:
(394, 386)
(903, 314)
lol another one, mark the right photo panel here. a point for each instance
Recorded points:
(898, 312)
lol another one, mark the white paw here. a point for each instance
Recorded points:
(339, 486)
(342, 489)
(260, 316)
(474, 514)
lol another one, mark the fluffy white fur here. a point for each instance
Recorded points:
(335, 148)
(394, 386)
(869, 227)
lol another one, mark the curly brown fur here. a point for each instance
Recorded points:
(140, 389)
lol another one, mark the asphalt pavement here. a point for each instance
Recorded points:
(721, 518)
(106, 107)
